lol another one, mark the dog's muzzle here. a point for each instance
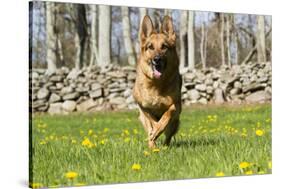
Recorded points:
(158, 66)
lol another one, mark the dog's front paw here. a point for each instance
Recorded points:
(151, 144)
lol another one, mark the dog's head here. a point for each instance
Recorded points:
(157, 48)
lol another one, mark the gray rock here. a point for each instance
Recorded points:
(116, 74)
(69, 105)
(209, 90)
(55, 108)
(189, 76)
(193, 94)
(117, 100)
(82, 89)
(127, 92)
(130, 99)
(254, 87)
(71, 96)
(43, 93)
(86, 105)
(203, 101)
(34, 75)
(235, 91)
(56, 78)
(59, 86)
(54, 98)
(96, 94)
(95, 86)
(66, 90)
(38, 103)
(183, 89)
(237, 84)
(218, 96)
(259, 96)
(201, 87)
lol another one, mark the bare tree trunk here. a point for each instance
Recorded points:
(93, 40)
(222, 39)
(143, 12)
(51, 37)
(127, 36)
(228, 40)
(236, 46)
(191, 45)
(203, 45)
(183, 39)
(77, 51)
(156, 19)
(104, 35)
(261, 39)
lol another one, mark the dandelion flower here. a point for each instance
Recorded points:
(90, 132)
(127, 139)
(136, 167)
(86, 142)
(156, 150)
(146, 153)
(270, 164)
(42, 142)
(36, 185)
(220, 174)
(102, 142)
(250, 172)
(259, 132)
(135, 131)
(71, 175)
(126, 132)
(244, 165)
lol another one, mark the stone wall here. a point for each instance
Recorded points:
(93, 89)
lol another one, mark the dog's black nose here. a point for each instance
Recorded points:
(157, 59)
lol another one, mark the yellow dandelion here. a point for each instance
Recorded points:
(244, 165)
(86, 142)
(259, 132)
(90, 132)
(102, 142)
(126, 132)
(146, 153)
(136, 167)
(36, 185)
(250, 172)
(156, 150)
(135, 131)
(43, 142)
(52, 137)
(220, 174)
(127, 139)
(105, 130)
(270, 164)
(71, 175)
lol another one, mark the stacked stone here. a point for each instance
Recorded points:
(110, 88)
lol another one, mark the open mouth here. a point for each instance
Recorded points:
(157, 68)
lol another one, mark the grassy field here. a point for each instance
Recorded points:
(111, 147)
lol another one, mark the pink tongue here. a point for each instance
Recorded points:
(157, 74)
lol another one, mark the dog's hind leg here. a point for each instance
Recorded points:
(170, 131)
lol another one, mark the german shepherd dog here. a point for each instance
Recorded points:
(157, 88)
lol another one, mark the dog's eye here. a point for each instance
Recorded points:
(151, 47)
(164, 47)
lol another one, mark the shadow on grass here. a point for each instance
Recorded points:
(193, 143)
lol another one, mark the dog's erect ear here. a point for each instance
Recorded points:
(168, 29)
(146, 28)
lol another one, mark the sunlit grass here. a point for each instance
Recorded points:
(111, 147)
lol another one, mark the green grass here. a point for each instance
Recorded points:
(210, 140)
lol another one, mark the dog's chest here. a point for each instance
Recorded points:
(153, 100)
